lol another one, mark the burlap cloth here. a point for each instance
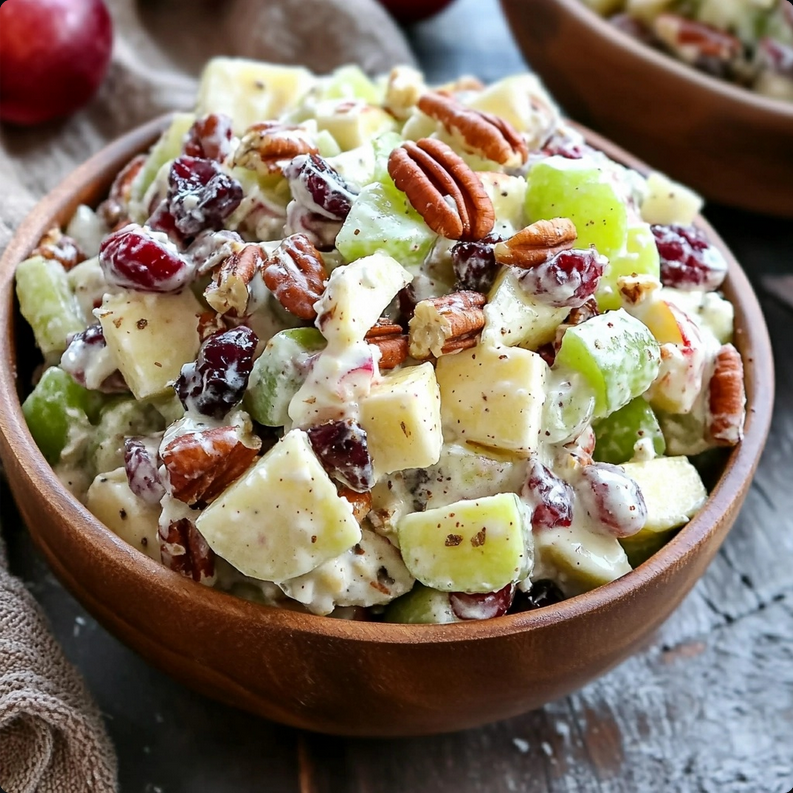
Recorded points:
(52, 738)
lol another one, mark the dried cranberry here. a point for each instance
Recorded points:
(163, 221)
(482, 607)
(550, 497)
(200, 195)
(569, 279)
(91, 364)
(132, 259)
(562, 146)
(612, 499)
(142, 471)
(542, 593)
(319, 187)
(475, 264)
(210, 138)
(344, 453)
(688, 260)
(217, 380)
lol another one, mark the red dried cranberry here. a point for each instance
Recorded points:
(319, 187)
(142, 471)
(210, 138)
(132, 259)
(91, 364)
(217, 380)
(484, 606)
(550, 497)
(688, 260)
(562, 146)
(475, 264)
(342, 449)
(611, 499)
(569, 279)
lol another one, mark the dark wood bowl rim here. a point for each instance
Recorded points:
(621, 40)
(738, 469)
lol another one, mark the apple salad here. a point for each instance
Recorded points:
(380, 350)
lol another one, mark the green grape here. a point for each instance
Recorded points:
(640, 257)
(421, 605)
(616, 353)
(56, 410)
(618, 433)
(382, 220)
(278, 374)
(582, 192)
(350, 82)
(48, 303)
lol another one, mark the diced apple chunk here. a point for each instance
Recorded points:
(129, 517)
(470, 546)
(493, 396)
(283, 517)
(669, 202)
(402, 419)
(353, 123)
(251, 91)
(151, 337)
(508, 194)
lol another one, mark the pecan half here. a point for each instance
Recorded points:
(727, 399)
(537, 243)
(391, 341)
(210, 137)
(429, 172)
(267, 146)
(229, 290)
(484, 134)
(201, 465)
(115, 209)
(695, 41)
(296, 275)
(58, 246)
(185, 551)
(448, 324)
(210, 322)
(361, 502)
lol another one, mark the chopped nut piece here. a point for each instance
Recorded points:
(429, 173)
(444, 325)
(267, 146)
(727, 398)
(296, 275)
(229, 291)
(115, 209)
(537, 243)
(484, 134)
(57, 246)
(637, 289)
(361, 502)
(185, 551)
(391, 341)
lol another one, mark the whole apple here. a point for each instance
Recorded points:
(53, 57)
(408, 11)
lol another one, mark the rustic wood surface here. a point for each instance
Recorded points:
(707, 707)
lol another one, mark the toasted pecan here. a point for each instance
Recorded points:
(115, 209)
(448, 324)
(265, 147)
(61, 248)
(184, 550)
(726, 399)
(391, 341)
(296, 275)
(229, 290)
(537, 243)
(361, 502)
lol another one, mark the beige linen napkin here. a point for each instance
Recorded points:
(51, 737)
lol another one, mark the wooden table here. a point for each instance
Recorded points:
(707, 707)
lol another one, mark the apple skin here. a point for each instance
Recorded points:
(53, 57)
(409, 11)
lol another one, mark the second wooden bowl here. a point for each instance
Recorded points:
(335, 676)
(734, 146)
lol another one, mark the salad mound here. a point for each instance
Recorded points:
(748, 42)
(378, 350)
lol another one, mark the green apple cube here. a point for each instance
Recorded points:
(618, 434)
(672, 489)
(382, 220)
(616, 353)
(47, 303)
(421, 606)
(402, 419)
(119, 419)
(583, 192)
(151, 337)
(111, 501)
(493, 397)
(668, 203)
(282, 518)
(640, 257)
(353, 124)
(582, 559)
(57, 412)
(279, 372)
(568, 407)
(479, 545)
(357, 295)
(251, 91)
(514, 317)
(167, 148)
(350, 82)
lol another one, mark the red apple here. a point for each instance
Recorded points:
(53, 56)
(407, 11)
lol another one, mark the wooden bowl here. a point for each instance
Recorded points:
(733, 145)
(353, 678)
